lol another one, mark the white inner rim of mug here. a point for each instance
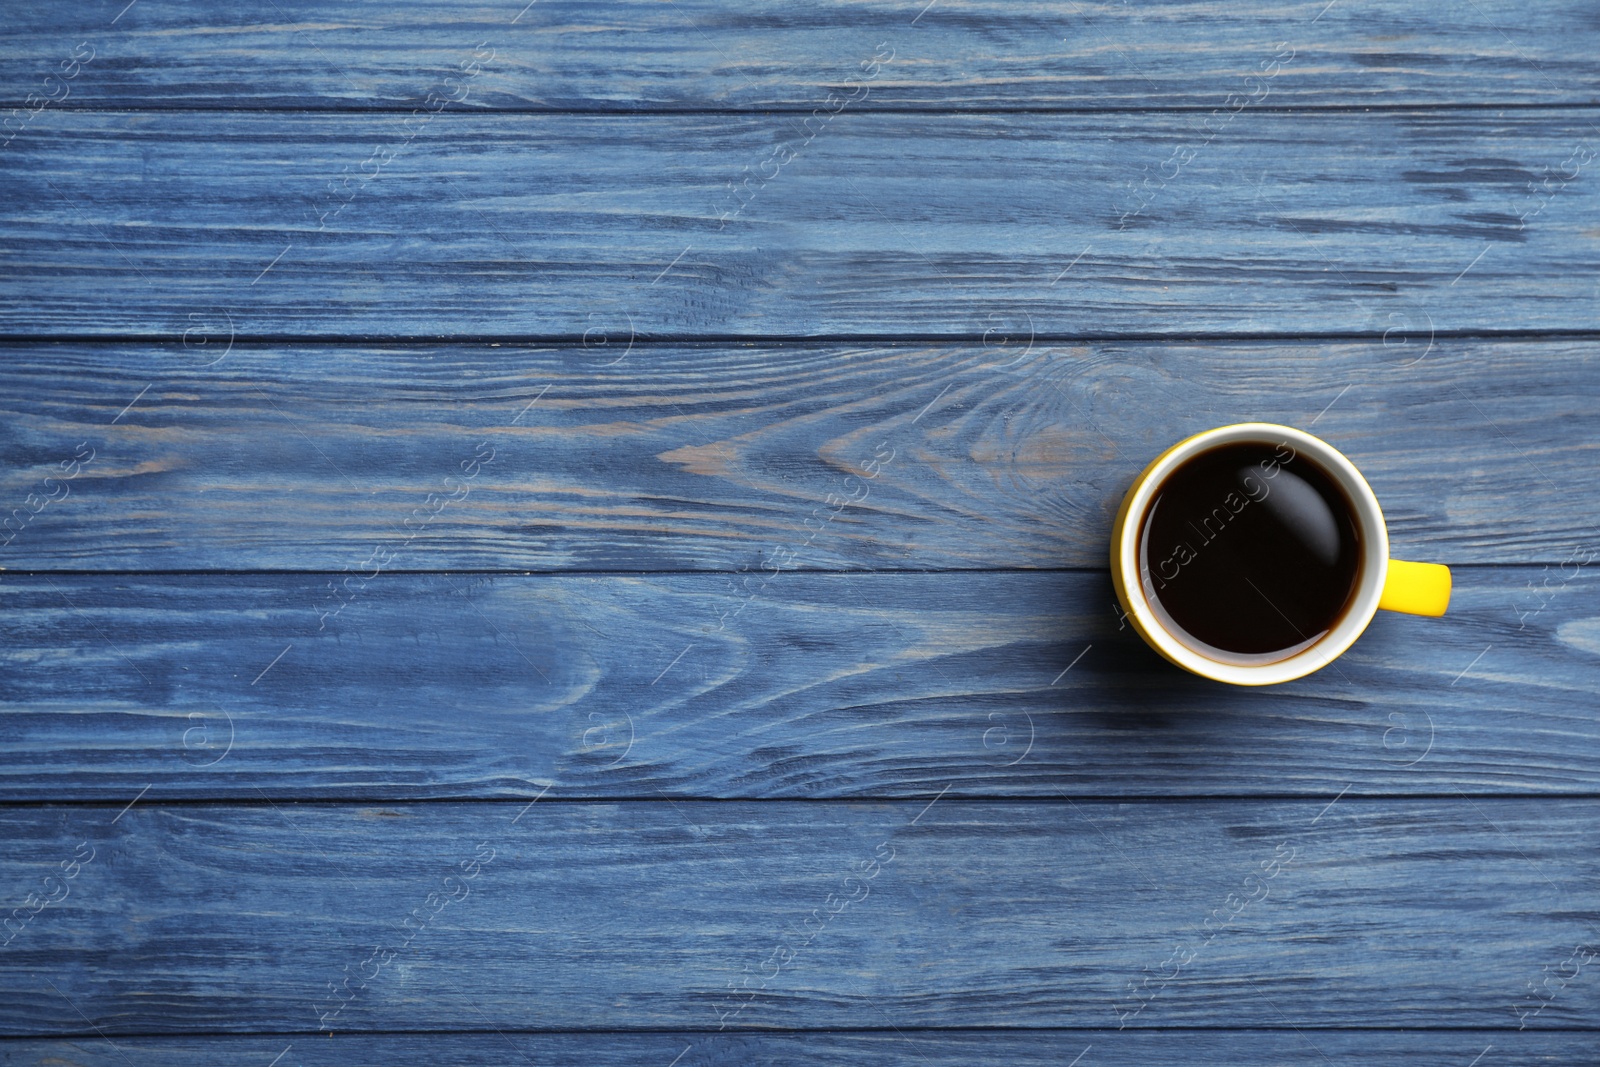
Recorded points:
(1282, 665)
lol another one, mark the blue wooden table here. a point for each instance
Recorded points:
(576, 533)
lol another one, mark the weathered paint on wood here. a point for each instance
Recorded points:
(882, 1047)
(295, 456)
(1017, 685)
(198, 708)
(641, 916)
(634, 55)
(167, 224)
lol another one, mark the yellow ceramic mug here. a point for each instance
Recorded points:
(1395, 585)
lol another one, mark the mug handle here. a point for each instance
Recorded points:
(1416, 588)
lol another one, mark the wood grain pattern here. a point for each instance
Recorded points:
(310, 457)
(813, 686)
(870, 1048)
(639, 916)
(637, 55)
(1070, 226)
(420, 294)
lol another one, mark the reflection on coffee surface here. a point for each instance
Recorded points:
(1249, 552)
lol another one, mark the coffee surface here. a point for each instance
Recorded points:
(1249, 552)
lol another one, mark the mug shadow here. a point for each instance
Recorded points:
(1125, 717)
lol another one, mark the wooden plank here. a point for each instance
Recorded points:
(641, 915)
(168, 225)
(868, 1048)
(310, 457)
(1014, 685)
(633, 54)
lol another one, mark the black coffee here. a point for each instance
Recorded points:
(1249, 552)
